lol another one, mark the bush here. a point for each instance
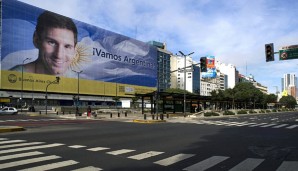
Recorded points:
(262, 111)
(274, 110)
(227, 112)
(268, 111)
(208, 114)
(252, 111)
(242, 112)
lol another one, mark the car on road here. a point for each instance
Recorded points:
(8, 111)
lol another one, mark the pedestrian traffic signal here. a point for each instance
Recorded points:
(203, 64)
(269, 52)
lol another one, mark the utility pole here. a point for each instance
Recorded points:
(23, 82)
(52, 82)
(184, 93)
(78, 96)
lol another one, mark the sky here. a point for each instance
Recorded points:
(234, 31)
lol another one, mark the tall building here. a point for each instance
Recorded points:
(192, 79)
(229, 70)
(289, 84)
(287, 80)
(164, 66)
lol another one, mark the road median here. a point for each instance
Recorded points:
(11, 129)
(148, 121)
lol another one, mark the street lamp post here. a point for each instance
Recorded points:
(184, 93)
(52, 82)
(23, 82)
(78, 97)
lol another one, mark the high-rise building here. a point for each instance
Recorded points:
(287, 80)
(229, 70)
(164, 66)
(192, 79)
(289, 84)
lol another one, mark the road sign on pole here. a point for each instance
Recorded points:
(288, 52)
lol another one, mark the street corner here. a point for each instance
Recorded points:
(148, 121)
(4, 129)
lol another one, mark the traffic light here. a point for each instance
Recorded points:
(203, 63)
(269, 52)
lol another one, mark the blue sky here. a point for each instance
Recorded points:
(234, 31)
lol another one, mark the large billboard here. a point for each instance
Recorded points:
(38, 45)
(211, 70)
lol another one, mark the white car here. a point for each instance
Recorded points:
(8, 111)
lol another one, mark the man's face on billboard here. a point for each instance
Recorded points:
(57, 49)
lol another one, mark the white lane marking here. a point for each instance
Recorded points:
(11, 141)
(248, 164)
(27, 161)
(52, 166)
(122, 151)
(205, 164)
(257, 124)
(13, 156)
(89, 168)
(1, 139)
(77, 146)
(174, 159)
(265, 126)
(279, 126)
(98, 148)
(291, 127)
(145, 155)
(288, 166)
(20, 144)
(30, 148)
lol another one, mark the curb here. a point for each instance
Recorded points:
(11, 129)
(148, 121)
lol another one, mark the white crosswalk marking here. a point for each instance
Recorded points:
(98, 149)
(265, 126)
(247, 165)
(1, 139)
(279, 126)
(52, 166)
(27, 161)
(145, 155)
(20, 144)
(90, 168)
(257, 124)
(293, 126)
(29, 148)
(288, 166)
(77, 146)
(11, 141)
(122, 151)
(174, 159)
(14, 156)
(205, 164)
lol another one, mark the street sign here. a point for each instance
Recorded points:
(288, 52)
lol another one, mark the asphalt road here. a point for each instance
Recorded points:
(250, 142)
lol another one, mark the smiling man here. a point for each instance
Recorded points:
(56, 37)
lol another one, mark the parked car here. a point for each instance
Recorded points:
(8, 111)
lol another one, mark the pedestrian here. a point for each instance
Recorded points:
(89, 111)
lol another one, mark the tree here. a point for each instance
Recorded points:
(288, 101)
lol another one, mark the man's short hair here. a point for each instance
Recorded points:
(52, 20)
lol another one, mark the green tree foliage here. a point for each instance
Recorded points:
(177, 90)
(288, 101)
(246, 93)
